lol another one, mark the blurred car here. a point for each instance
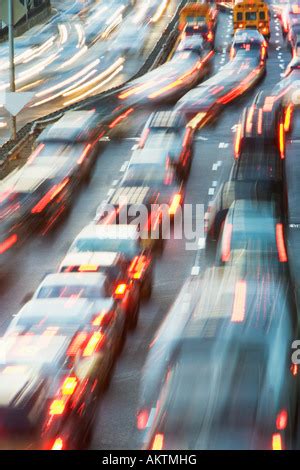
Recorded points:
(168, 130)
(32, 198)
(124, 240)
(223, 378)
(202, 31)
(250, 42)
(46, 404)
(116, 268)
(193, 43)
(290, 16)
(294, 35)
(252, 229)
(70, 145)
(257, 171)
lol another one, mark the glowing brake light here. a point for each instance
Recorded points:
(237, 146)
(210, 36)
(142, 419)
(84, 154)
(88, 268)
(98, 320)
(58, 444)
(49, 196)
(281, 140)
(226, 243)
(276, 442)
(137, 267)
(187, 136)
(69, 386)
(158, 442)
(8, 243)
(143, 138)
(282, 255)
(288, 118)
(294, 369)
(281, 420)
(175, 204)
(239, 305)
(93, 344)
(77, 343)
(120, 290)
(57, 407)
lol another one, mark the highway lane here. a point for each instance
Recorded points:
(115, 424)
(71, 51)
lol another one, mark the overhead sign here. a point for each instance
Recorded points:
(15, 102)
(19, 10)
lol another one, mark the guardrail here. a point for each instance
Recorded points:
(159, 54)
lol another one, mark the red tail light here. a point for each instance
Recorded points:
(94, 343)
(276, 442)
(137, 267)
(282, 255)
(69, 385)
(237, 146)
(143, 138)
(77, 343)
(226, 243)
(175, 204)
(8, 243)
(120, 290)
(158, 442)
(58, 444)
(288, 118)
(281, 140)
(49, 196)
(57, 407)
(294, 369)
(281, 420)
(239, 305)
(187, 137)
(84, 154)
(142, 419)
(210, 36)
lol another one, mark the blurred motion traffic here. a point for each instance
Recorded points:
(150, 228)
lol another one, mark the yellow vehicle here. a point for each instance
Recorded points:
(252, 14)
(198, 14)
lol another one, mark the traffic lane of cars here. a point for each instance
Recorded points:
(196, 182)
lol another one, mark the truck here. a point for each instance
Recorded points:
(198, 18)
(252, 14)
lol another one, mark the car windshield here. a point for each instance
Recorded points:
(87, 292)
(127, 247)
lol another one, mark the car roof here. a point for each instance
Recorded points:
(73, 125)
(165, 119)
(147, 156)
(28, 179)
(31, 349)
(105, 258)
(112, 231)
(38, 308)
(244, 213)
(74, 279)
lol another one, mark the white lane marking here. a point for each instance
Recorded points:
(211, 191)
(134, 147)
(215, 167)
(200, 138)
(195, 270)
(234, 128)
(115, 182)
(214, 184)
(110, 192)
(136, 139)
(223, 145)
(124, 166)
